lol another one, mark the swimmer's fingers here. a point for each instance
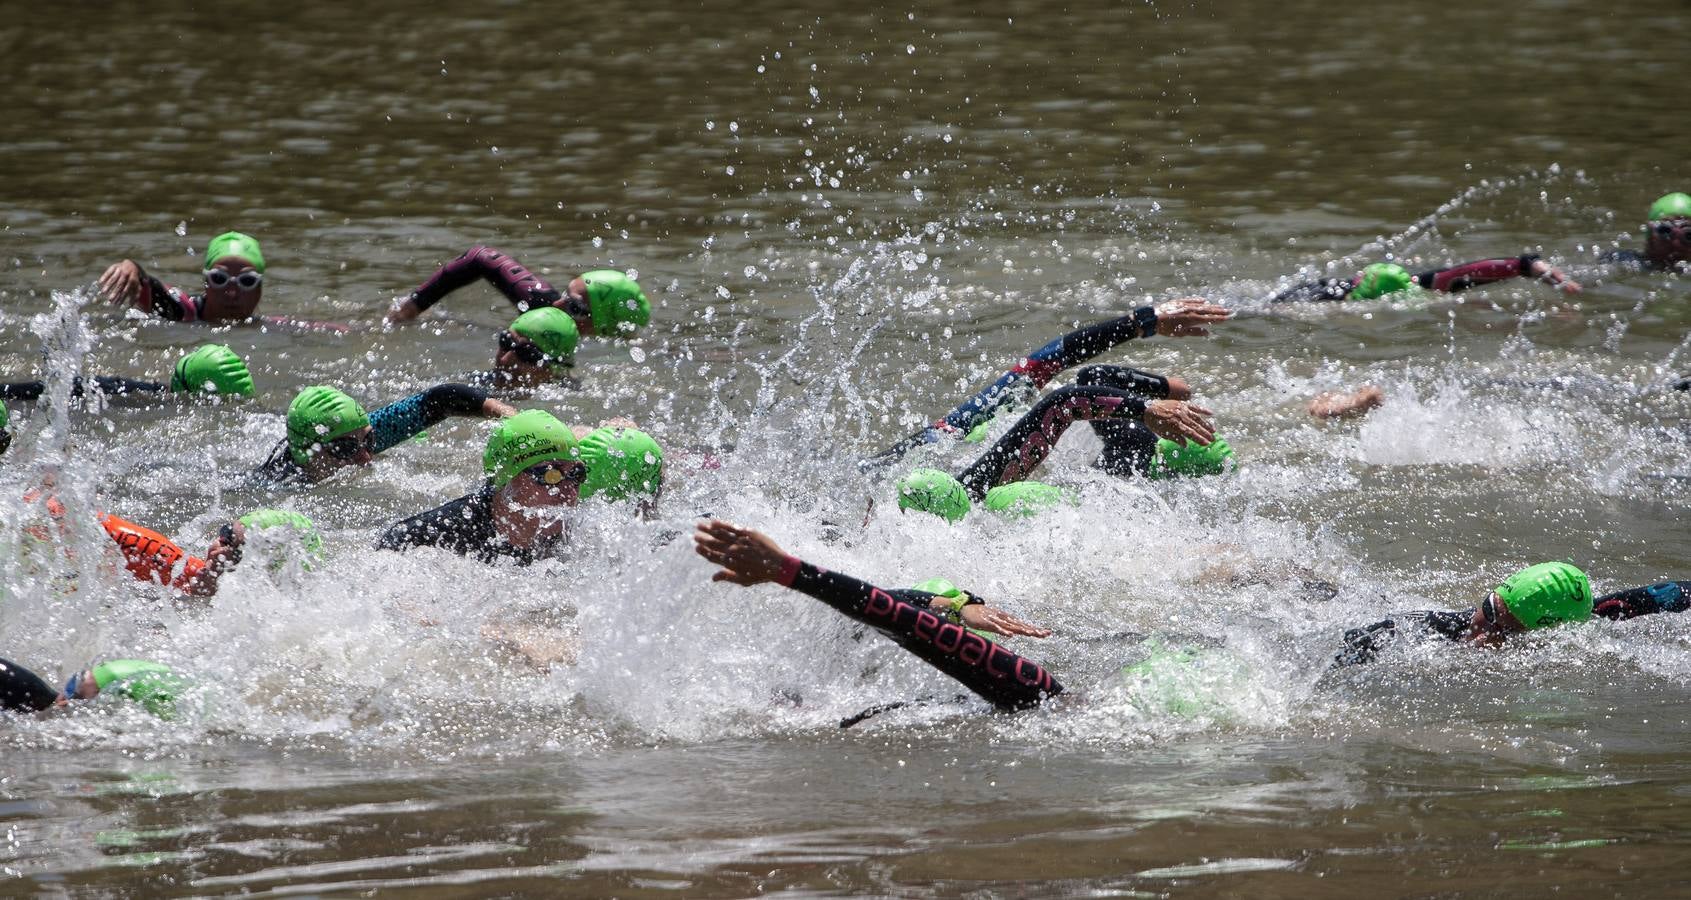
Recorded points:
(1188, 317)
(985, 618)
(1570, 286)
(747, 557)
(121, 282)
(1179, 421)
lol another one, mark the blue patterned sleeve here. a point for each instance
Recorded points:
(402, 420)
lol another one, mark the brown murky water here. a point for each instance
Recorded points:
(847, 220)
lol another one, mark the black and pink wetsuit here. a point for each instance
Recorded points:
(1021, 382)
(1451, 280)
(1002, 677)
(523, 288)
(1363, 645)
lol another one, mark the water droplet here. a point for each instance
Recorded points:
(734, 127)
(722, 292)
(750, 271)
(637, 354)
(910, 49)
(710, 125)
(598, 242)
(182, 229)
(730, 170)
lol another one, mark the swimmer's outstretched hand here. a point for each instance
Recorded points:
(1179, 422)
(747, 557)
(984, 618)
(1188, 317)
(121, 283)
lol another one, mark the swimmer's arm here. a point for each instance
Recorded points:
(1327, 289)
(404, 419)
(114, 386)
(1488, 271)
(24, 691)
(522, 287)
(1668, 596)
(25, 391)
(1363, 645)
(127, 284)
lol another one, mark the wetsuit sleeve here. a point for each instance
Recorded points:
(1325, 289)
(522, 287)
(22, 390)
(404, 419)
(1669, 596)
(1001, 677)
(167, 302)
(1485, 271)
(1123, 378)
(113, 386)
(1032, 438)
(1039, 367)
(22, 690)
(1363, 645)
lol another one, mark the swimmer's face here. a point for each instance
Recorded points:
(516, 358)
(537, 496)
(575, 303)
(233, 288)
(354, 449)
(1493, 622)
(1669, 240)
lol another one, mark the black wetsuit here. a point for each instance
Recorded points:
(394, 423)
(22, 690)
(110, 385)
(1031, 439)
(1363, 645)
(1000, 676)
(1451, 280)
(464, 526)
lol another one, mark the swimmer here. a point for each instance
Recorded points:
(1191, 447)
(1667, 238)
(151, 684)
(213, 370)
(622, 462)
(1190, 317)
(538, 348)
(234, 285)
(1543, 596)
(152, 557)
(1385, 278)
(941, 630)
(329, 431)
(534, 474)
(602, 302)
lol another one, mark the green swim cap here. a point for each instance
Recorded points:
(214, 369)
(938, 586)
(1380, 279)
(621, 461)
(1174, 460)
(616, 302)
(234, 243)
(318, 415)
(529, 437)
(5, 417)
(933, 491)
(552, 330)
(151, 684)
(309, 540)
(1025, 499)
(1676, 205)
(1547, 595)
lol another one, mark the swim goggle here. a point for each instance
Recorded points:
(72, 685)
(246, 281)
(1488, 609)
(510, 342)
(1678, 229)
(348, 446)
(551, 474)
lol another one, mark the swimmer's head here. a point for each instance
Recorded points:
(1541, 596)
(1380, 279)
(621, 462)
(933, 491)
(615, 302)
(939, 587)
(233, 244)
(289, 523)
(151, 684)
(1026, 499)
(526, 440)
(1676, 205)
(319, 419)
(214, 369)
(544, 337)
(1191, 460)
